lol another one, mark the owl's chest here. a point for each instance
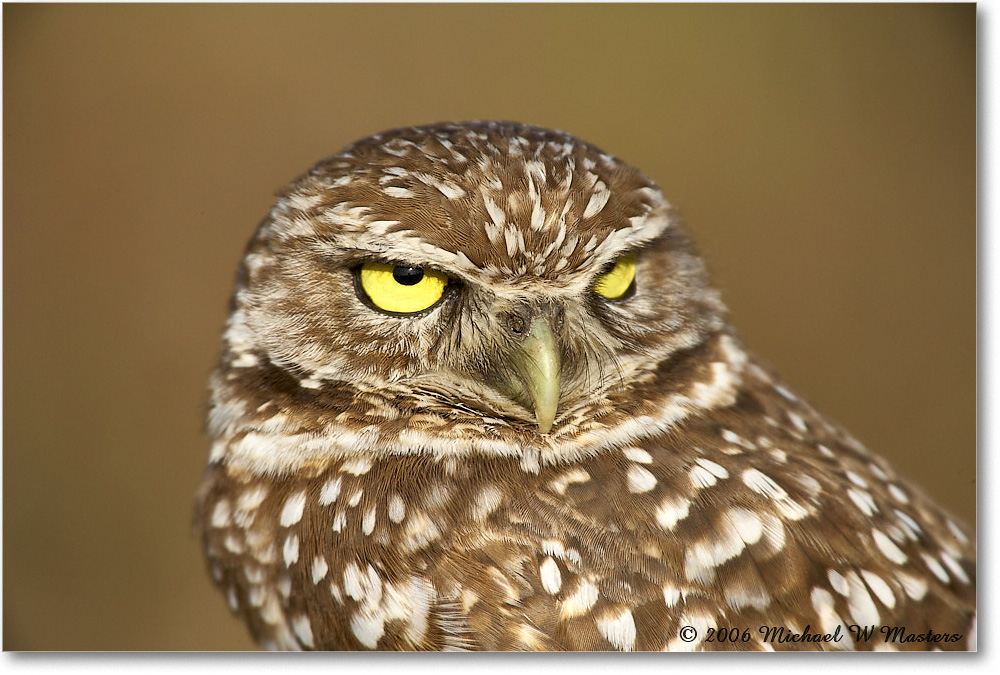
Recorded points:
(385, 553)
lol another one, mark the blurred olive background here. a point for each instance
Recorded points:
(824, 158)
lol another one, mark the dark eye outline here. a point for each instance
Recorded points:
(359, 290)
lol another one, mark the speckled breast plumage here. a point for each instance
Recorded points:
(390, 480)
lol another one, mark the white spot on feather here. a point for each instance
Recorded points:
(797, 421)
(737, 529)
(877, 470)
(303, 630)
(365, 587)
(553, 547)
(790, 509)
(898, 494)
(232, 599)
(445, 187)
(888, 547)
(935, 567)
(640, 480)
(856, 479)
(271, 611)
(251, 499)
(292, 511)
(582, 599)
(234, 544)
(774, 532)
(739, 596)
(319, 569)
(829, 620)
(955, 568)
(860, 604)
(537, 216)
(397, 509)
(838, 582)
(598, 200)
(672, 510)
(577, 475)
(257, 596)
(713, 468)
(367, 628)
(734, 438)
(638, 455)
(221, 514)
(915, 588)
(955, 530)
(880, 588)
(486, 502)
(763, 484)
(356, 465)
(701, 478)
(863, 501)
(497, 215)
(245, 360)
(510, 240)
(290, 552)
(398, 192)
(909, 524)
(550, 576)
(368, 522)
(284, 586)
(419, 594)
(785, 393)
(254, 574)
(330, 491)
(618, 629)
(420, 531)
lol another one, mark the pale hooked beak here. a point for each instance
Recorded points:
(537, 363)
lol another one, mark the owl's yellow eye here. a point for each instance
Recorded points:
(401, 289)
(618, 281)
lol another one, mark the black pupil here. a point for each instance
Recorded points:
(408, 276)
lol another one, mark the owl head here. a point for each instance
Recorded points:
(459, 286)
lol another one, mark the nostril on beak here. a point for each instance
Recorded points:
(516, 324)
(554, 312)
(558, 314)
(518, 319)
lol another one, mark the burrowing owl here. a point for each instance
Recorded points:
(476, 392)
